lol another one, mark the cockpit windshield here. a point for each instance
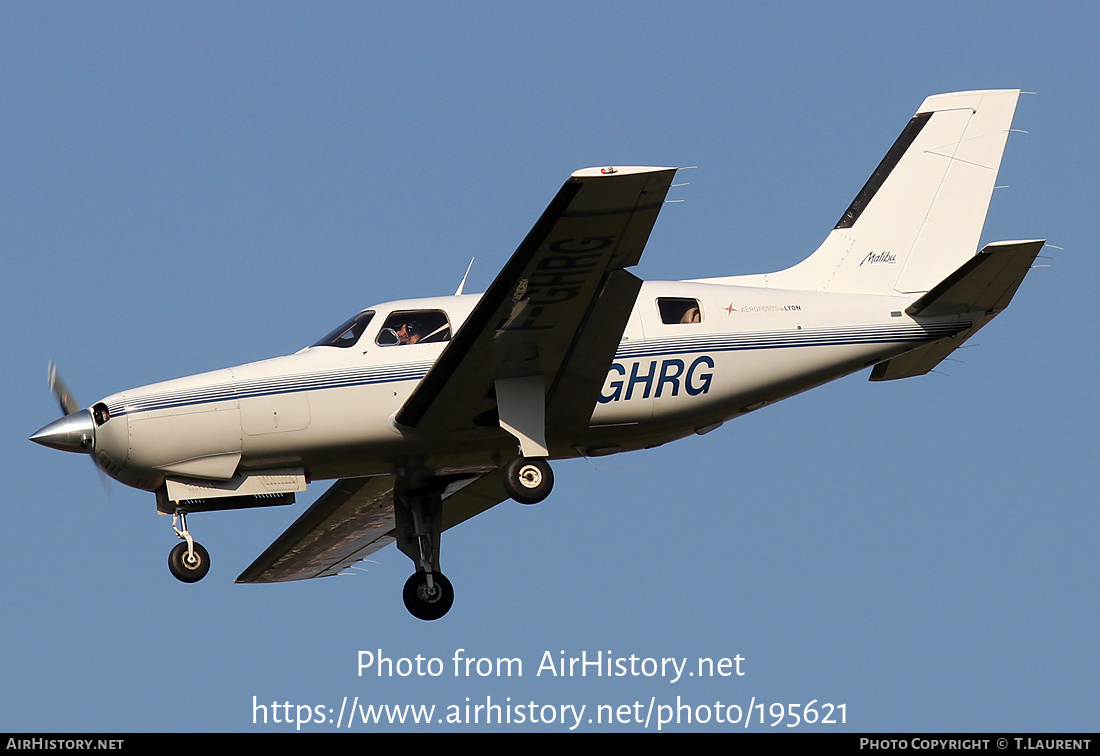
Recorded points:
(347, 333)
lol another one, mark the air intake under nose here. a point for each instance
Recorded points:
(74, 433)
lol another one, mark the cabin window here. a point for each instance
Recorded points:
(347, 333)
(679, 310)
(415, 327)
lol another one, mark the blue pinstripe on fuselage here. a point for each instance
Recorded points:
(414, 371)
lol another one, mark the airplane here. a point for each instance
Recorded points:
(427, 412)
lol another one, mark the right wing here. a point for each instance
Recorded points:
(353, 519)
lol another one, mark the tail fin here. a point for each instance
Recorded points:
(919, 216)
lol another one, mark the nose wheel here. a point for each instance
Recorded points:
(188, 561)
(188, 565)
(528, 480)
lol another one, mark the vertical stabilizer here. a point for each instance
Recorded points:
(920, 215)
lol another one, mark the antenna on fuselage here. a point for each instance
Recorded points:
(462, 285)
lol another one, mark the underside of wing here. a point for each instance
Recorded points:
(355, 518)
(536, 321)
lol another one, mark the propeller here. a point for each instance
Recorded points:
(69, 405)
(75, 430)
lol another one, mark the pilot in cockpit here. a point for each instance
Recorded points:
(409, 332)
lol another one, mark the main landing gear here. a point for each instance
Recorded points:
(188, 561)
(418, 521)
(418, 516)
(428, 595)
(527, 480)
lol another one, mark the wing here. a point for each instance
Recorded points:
(353, 519)
(543, 334)
(545, 331)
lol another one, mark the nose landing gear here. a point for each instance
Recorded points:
(188, 565)
(188, 561)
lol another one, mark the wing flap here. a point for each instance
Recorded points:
(353, 519)
(573, 397)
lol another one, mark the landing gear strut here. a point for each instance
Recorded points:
(188, 561)
(418, 515)
(527, 480)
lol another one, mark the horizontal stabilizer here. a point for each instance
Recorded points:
(919, 361)
(983, 285)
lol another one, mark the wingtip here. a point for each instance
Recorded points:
(617, 170)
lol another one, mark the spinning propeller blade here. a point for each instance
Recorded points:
(69, 405)
(75, 431)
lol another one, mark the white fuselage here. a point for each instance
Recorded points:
(329, 410)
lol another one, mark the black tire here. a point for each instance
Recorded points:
(185, 571)
(528, 481)
(425, 605)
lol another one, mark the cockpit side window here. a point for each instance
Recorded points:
(414, 327)
(679, 310)
(347, 333)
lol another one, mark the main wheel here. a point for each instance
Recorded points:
(188, 569)
(528, 481)
(426, 604)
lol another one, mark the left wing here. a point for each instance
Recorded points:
(353, 519)
(549, 324)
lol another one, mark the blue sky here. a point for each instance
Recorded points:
(187, 187)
